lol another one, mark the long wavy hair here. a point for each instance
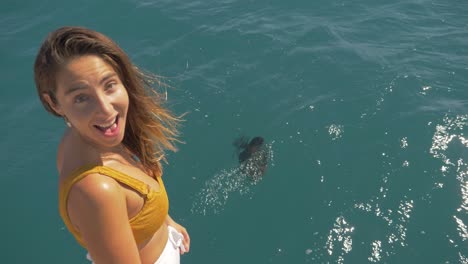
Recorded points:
(151, 128)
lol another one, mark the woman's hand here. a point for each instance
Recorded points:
(183, 231)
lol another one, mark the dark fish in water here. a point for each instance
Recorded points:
(253, 156)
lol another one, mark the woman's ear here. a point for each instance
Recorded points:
(51, 103)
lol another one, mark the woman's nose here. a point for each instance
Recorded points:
(104, 105)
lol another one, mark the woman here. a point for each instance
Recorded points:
(111, 194)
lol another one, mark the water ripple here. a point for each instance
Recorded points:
(213, 197)
(340, 236)
(451, 130)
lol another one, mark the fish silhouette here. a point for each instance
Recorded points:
(253, 156)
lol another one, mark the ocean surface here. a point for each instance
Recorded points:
(363, 106)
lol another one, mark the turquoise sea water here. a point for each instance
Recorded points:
(364, 105)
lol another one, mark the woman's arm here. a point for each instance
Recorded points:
(97, 206)
(183, 231)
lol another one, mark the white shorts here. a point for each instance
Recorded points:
(171, 252)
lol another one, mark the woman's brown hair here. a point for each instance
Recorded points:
(151, 128)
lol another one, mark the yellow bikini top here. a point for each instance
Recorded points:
(144, 224)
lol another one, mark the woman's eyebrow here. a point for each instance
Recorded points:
(107, 77)
(76, 87)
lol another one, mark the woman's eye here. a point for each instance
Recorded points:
(80, 98)
(111, 85)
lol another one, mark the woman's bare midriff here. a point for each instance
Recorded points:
(151, 249)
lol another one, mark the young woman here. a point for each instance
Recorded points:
(111, 194)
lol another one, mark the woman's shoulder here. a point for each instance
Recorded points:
(73, 155)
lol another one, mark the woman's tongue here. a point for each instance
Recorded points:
(109, 130)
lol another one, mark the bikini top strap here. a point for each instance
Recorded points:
(84, 171)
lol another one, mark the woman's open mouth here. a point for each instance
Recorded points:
(110, 129)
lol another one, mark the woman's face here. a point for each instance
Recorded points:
(92, 97)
